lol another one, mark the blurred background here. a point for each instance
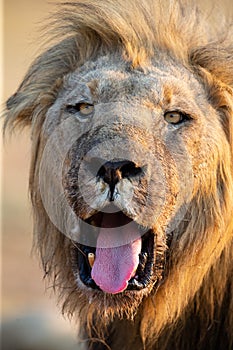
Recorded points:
(29, 316)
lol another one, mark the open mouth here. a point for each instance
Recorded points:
(123, 258)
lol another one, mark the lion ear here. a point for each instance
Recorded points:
(19, 110)
(214, 64)
(40, 85)
(217, 59)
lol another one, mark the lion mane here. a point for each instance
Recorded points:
(189, 304)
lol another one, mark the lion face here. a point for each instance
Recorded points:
(124, 165)
(131, 179)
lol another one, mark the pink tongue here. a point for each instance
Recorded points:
(116, 260)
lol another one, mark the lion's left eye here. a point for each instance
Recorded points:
(83, 109)
(175, 117)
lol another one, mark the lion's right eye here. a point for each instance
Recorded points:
(83, 109)
(176, 117)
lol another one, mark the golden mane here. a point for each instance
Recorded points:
(141, 32)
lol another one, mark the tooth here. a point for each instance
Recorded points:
(91, 258)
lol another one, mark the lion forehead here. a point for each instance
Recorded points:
(105, 83)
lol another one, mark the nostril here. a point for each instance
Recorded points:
(101, 172)
(130, 169)
(113, 171)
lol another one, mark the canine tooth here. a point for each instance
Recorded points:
(91, 258)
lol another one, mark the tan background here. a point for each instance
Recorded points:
(23, 294)
(25, 304)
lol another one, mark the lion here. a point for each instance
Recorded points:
(131, 178)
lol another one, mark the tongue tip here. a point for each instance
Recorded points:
(111, 289)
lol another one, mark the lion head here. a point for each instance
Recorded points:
(131, 172)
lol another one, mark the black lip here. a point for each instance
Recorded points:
(144, 271)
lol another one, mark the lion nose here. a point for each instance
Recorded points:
(112, 172)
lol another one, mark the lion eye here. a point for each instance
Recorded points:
(85, 108)
(82, 108)
(174, 117)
